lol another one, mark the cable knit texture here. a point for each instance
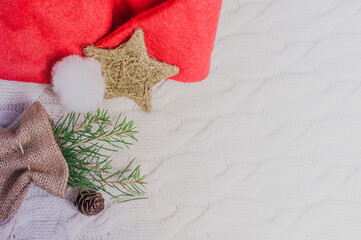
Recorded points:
(267, 148)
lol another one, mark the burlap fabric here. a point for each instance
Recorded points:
(30, 154)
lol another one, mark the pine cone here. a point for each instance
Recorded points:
(91, 203)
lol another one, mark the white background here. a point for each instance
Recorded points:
(267, 148)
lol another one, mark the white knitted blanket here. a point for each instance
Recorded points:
(268, 147)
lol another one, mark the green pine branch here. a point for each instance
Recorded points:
(87, 143)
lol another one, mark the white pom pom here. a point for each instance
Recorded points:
(79, 83)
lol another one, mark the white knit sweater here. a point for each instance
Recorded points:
(268, 147)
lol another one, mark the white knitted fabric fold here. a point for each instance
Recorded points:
(268, 147)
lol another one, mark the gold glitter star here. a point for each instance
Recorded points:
(129, 71)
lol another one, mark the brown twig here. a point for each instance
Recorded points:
(113, 182)
(91, 167)
(100, 138)
(82, 127)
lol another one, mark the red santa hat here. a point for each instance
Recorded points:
(37, 34)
